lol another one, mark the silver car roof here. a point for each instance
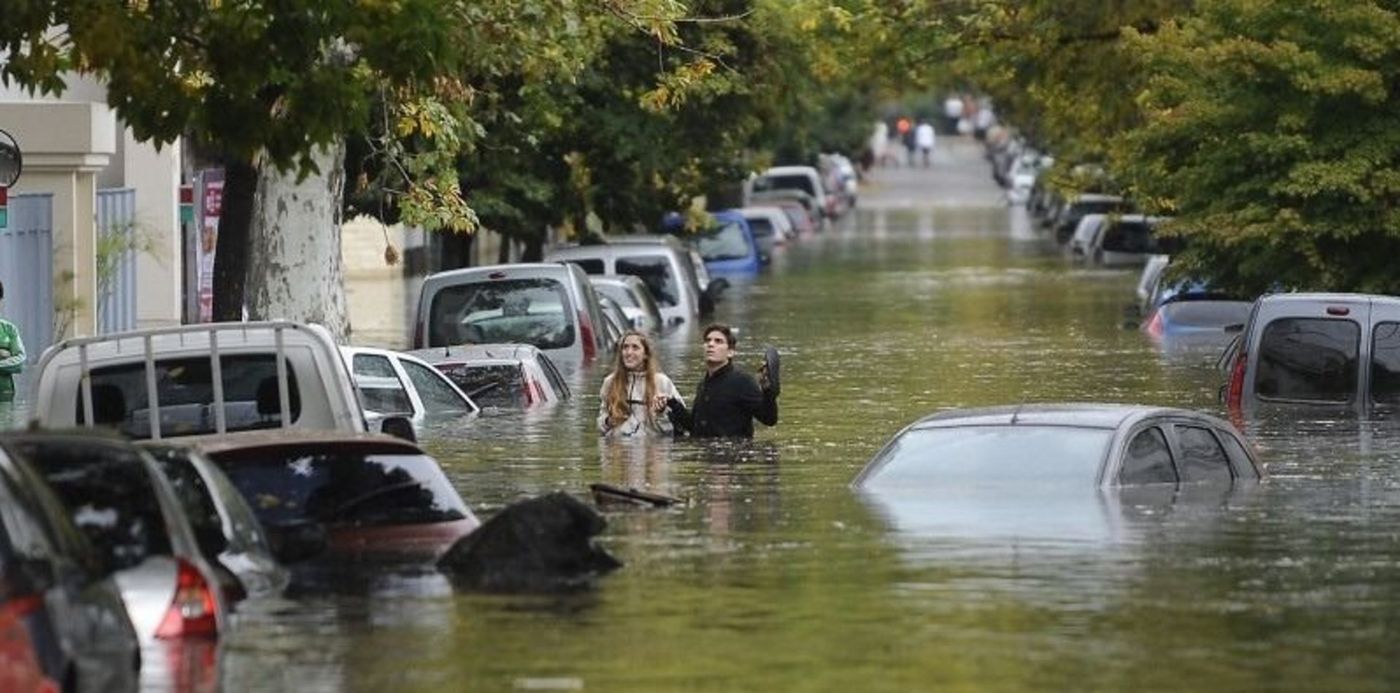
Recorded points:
(1087, 414)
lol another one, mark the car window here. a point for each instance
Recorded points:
(728, 242)
(589, 265)
(556, 381)
(655, 272)
(525, 311)
(1309, 359)
(501, 386)
(618, 293)
(1239, 459)
(384, 395)
(291, 485)
(1385, 363)
(1202, 458)
(195, 499)
(1147, 460)
(374, 365)
(22, 538)
(186, 392)
(437, 395)
(761, 227)
(783, 182)
(1129, 237)
(109, 495)
(964, 455)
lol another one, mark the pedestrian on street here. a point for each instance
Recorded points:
(728, 399)
(924, 137)
(11, 355)
(635, 394)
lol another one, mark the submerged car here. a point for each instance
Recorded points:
(393, 383)
(374, 496)
(1040, 445)
(661, 262)
(503, 376)
(1317, 351)
(54, 582)
(633, 296)
(728, 248)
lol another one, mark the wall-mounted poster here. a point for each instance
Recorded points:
(211, 205)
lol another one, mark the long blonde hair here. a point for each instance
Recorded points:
(619, 409)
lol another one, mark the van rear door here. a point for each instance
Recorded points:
(1383, 356)
(1309, 352)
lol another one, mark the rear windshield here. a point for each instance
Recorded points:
(1207, 314)
(293, 485)
(109, 494)
(728, 242)
(1385, 363)
(618, 293)
(795, 181)
(655, 272)
(186, 395)
(501, 386)
(523, 311)
(762, 228)
(975, 455)
(1308, 359)
(1129, 237)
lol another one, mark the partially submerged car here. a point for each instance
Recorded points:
(550, 305)
(728, 247)
(393, 383)
(805, 179)
(633, 296)
(661, 262)
(503, 376)
(54, 581)
(198, 379)
(1080, 445)
(1319, 351)
(375, 497)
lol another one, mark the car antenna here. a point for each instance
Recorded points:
(1016, 413)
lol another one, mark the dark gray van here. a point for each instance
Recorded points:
(1321, 350)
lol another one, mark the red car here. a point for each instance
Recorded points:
(375, 496)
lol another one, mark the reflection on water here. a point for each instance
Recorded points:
(774, 575)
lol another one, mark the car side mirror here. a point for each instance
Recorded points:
(297, 541)
(399, 427)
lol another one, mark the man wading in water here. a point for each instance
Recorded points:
(727, 399)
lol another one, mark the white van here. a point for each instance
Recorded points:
(661, 262)
(1316, 350)
(804, 178)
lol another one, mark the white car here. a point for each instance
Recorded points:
(804, 178)
(395, 384)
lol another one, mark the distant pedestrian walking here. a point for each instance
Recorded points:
(924, 139)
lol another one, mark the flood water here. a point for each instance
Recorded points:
(776, 576)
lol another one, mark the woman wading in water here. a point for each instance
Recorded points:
(635, 394)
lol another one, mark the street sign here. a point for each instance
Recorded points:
(11, 160)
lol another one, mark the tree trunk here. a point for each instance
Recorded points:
(231, 249)
(294, 265)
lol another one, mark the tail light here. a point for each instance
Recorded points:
(1154, 326)
(193, 611)
(585, 330)
(1234, 392)
(23, 605)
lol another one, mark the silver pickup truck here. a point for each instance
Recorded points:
(198, 379)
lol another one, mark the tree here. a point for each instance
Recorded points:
(1270, 131)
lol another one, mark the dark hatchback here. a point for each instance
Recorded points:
(54, 581)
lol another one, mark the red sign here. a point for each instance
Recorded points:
(213, 198)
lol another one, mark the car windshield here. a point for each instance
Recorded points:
(762, 228)
(728, 242)
(981, 455)
(523, 311)
(1207, 313)
(784, 182)
(496, 385)
(342, 486)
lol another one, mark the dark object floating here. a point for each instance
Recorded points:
(607, 494)
(542, 544)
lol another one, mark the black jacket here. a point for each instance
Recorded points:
(726, 403)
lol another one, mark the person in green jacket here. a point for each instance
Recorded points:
(11, 355)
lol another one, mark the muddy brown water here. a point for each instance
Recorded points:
(776, 576)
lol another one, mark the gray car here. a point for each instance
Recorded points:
(633, 296)
(663, 263)
(1043, 445)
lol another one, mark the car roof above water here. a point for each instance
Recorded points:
(1087, 414)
